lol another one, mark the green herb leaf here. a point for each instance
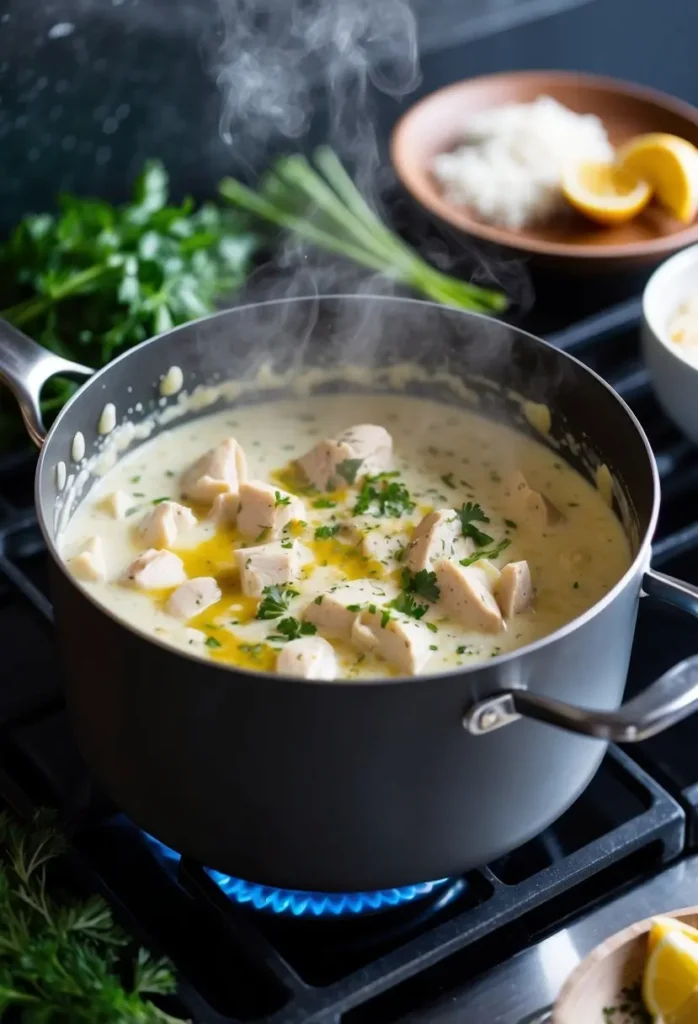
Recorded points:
(471, 513)
(211, 641)
(349, 468)
(406, 604)
(485, 553)
(324, 503)
(292, 629)
(381, 495)
(324, 532)
(447, 478)
(278, 500)
(159, 501)
(275, 601)
(422, 583)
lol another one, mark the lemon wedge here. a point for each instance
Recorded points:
(670, 166)
(661, 926)
(605, 193)
(671, 975)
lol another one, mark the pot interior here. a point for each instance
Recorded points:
(274, 349)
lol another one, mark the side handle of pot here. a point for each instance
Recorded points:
(24, 368)
(673, 697)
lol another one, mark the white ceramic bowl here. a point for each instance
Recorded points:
(674, 377)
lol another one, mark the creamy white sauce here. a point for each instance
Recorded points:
(172, 382)
(445, 457)
(107, 421)
(77, 451)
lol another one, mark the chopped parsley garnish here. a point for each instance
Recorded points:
(470, 513)
(135, 479)
(486, 553)
(211, 641)
(576, 585)
(348, 469)
(318, 599)
(461, 650)
(292, 629)
(433, 647)
(275, 601)
(430, 625)
(324, 532)
(286, 543)
(510, 523)
(138, 494)
(278, 500)
(324, 503)
(381, 495)
(447, 478)
(385, 618)
(169, 472)
(353, 607)
(399, 553)
(263, 534)
(422, 583)
(159, 501)
(406, 604)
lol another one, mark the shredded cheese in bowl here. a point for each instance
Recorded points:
(509, 166)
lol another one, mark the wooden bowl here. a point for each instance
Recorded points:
(435, 125)
(617, 964)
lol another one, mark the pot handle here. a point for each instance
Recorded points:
(25, 367)
(671, 698)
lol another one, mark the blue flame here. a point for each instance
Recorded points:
(297, 903)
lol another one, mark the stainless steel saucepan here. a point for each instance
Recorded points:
(358, 784)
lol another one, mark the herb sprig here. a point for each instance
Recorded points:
(486, 553)
(383, 495)
(292, 629)
(422, 583)
(470, 513)
(95, 279)
(275, 601)
(60, 957)
(322, 205)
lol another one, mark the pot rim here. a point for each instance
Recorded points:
(639, 561)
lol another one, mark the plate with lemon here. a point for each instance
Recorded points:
(645, 974)
(577, 170)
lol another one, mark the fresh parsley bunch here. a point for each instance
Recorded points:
(60, 959)
(94, 279)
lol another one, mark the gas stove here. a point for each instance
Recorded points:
(492, 946)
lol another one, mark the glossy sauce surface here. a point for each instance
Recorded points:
(444, 457)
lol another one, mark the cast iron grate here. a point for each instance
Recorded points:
(238, 965)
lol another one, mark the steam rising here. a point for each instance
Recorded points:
(282, 60)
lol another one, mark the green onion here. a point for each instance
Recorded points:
(323, 206)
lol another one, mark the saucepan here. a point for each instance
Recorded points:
(352, 785)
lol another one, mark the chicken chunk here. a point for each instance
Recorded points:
(90, 566)
(529, 505)
(224, 511)
(466, 597)
(399, 640)
(155, 570)
(371, 445)
(374, 540)
(514, 589)
(265, 510)
(335, 612)
(161, 527)
(219, 471)
(193, 597)
(438, 535)
(267, 565)
(309, 657)
(117, 504)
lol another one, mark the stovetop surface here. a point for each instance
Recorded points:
(492, 946)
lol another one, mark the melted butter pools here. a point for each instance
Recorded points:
(444, 457)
